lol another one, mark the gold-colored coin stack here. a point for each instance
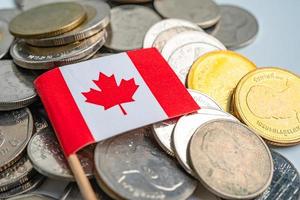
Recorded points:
(59, 33)
(265, 99)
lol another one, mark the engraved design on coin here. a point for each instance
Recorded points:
(143, 170)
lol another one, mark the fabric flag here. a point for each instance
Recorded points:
(93, 100)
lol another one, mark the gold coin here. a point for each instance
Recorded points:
(217, 74)
(47, 20)
(267, 100)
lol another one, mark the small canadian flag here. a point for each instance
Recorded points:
(100, 98)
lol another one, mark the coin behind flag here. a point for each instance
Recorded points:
(100, 98)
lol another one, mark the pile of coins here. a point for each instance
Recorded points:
(71, 33)
(222, 151)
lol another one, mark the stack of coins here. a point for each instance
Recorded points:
(59, 33)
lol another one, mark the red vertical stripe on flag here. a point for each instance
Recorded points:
(68, 123)
(170, 93)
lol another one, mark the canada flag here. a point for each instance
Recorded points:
(100, 98)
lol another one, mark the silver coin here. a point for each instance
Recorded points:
(185, 128)
(28, 186)
(16, 128)
(285, 183)
(31, 57)
(163, 25)
(135, 168)
(164, 36)
(162, 131)
(182, 58)
(202, 193)
(17, 174)
(5, 39)
(16, 86)
(47, 157)
(205, 13)
(31, 197)
(128, 26)
(186, 38)
(237, 27)
(98, 15)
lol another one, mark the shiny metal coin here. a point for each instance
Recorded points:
(16, 129)
(17, 174)
(205, 13)
(5, 39)
(16, 86)
(31, 197)
(189, 37)
(185, 128)
(128, 26)
(31, 57)
(202, 193)
(164, 25)
(47, 157)
(231, 160)
(164, 36)
(162, 131)
(28, 186)
(285, 182)
(237, 27)
(142, 171)
(98, 16)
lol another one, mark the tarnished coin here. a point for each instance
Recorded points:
(231, 160)
(185, 128)
(31, 197)
(202, 193)
(28, 186)
(162, 131)
(237, 27)
(128, 26)
(209, 72)
(16, 128)
(164, 25)
(47, 20)
(267, 100)
(5, 39)
(205, 13)
(31, 57)
(47, 157)
(16, 86)
(17, 174)
(285, 182)
(143, 170)
(98, 16)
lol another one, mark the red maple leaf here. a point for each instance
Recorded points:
(111, 94)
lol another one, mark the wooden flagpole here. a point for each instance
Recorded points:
(82, 181)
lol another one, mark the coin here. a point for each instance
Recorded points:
(202, 193)
(162, 131)
(31, 197)
(47, 20)
(17, 174)
(24, 188)
(16, 128)
(143, 170)
(185, 128)
(98, 14)
(267, 100)
(164, 25)
(237, 27)
(205, 13)
(164, 36)
(285, 182)
(128, 26)
(219, 151)
(5, 39)
(16, 86)
(209, 72)
(31, 57)
(47, 157)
